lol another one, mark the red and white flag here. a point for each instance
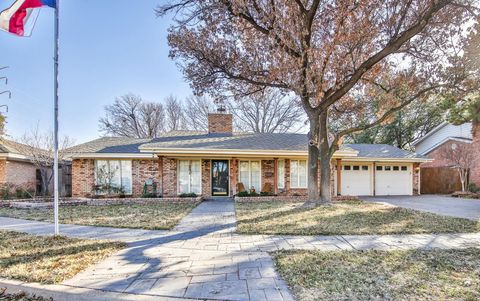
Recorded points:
(15, 18)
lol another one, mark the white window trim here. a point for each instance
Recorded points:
(189, 182)
(298, 179)
(250, 174)
(120, 170)
(278, 176)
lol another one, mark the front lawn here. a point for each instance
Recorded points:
(48, 259)
(343, 218)
(153, 216)
(382, 275)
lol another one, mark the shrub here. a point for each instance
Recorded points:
(472, 187)
(11, 191)
(243, 194)
(188, 195)
(149, 195)
(265, 193)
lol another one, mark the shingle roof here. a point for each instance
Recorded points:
(382, 151)
(236, 141)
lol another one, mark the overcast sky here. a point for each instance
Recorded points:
(108, 48)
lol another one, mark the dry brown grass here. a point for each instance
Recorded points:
(155, 216)
(48, 259)
(382, 275)
(343, 218)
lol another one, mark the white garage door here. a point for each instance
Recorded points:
(393, 180)
(356, 179)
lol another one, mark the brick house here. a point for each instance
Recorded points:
(432, 145)
(17, 169)
(219, 162)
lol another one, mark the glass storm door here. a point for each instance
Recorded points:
(220, 177)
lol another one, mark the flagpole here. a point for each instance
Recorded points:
(55, 122)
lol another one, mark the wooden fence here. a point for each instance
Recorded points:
(439, 180)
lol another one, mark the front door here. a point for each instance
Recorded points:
(220, 179)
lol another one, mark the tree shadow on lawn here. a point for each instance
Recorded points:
(375, 222)
(391, 275)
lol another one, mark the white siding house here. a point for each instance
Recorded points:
(442, 134)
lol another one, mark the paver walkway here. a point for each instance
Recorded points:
(202, 258)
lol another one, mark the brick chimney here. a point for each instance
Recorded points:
(220, 122)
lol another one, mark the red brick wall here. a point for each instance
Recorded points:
(220, 123)
(206, 182)
(3, 171)
(83, 177)
(416, 178)
(21, 174)
(475, 172)
(438, 161)
(142, 170)
(268, 174)
(169, 177)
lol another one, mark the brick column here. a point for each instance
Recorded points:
(233, 176)
(339, 176)
(160, 175)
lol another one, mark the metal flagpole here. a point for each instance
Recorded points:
(55, 122)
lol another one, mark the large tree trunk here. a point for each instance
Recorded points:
(325, 158)
(313, 192)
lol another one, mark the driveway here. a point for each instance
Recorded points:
(439, 204)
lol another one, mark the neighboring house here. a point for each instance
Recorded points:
(214, 163)
(17, 169)
(438, 176)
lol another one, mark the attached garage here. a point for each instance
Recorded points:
(393, 179)
(356, 179)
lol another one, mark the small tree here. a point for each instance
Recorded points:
(39, 148)
(462, 158)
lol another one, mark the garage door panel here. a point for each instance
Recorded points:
(356, 180)
(393, 180)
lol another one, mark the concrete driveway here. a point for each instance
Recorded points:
(439, 204)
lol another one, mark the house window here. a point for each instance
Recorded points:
(396, 168)
(113, 176)
(281, 174)
(298, 173)
(356, 167)
(404, 168)
(388, 168)
(347, 167)
(249, 175)
(189, 176)
(364, 167)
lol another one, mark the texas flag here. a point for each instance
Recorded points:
(14, 19)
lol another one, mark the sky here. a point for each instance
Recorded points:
(108, 48)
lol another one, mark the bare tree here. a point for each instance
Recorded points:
(334, 55)
(131, 116)
(39, 148)
(175, 114)
(197, 109)
(461, 157)
(267, 111)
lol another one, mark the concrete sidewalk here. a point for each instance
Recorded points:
(202, 258)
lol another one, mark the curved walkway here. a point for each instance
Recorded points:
(202, 258)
